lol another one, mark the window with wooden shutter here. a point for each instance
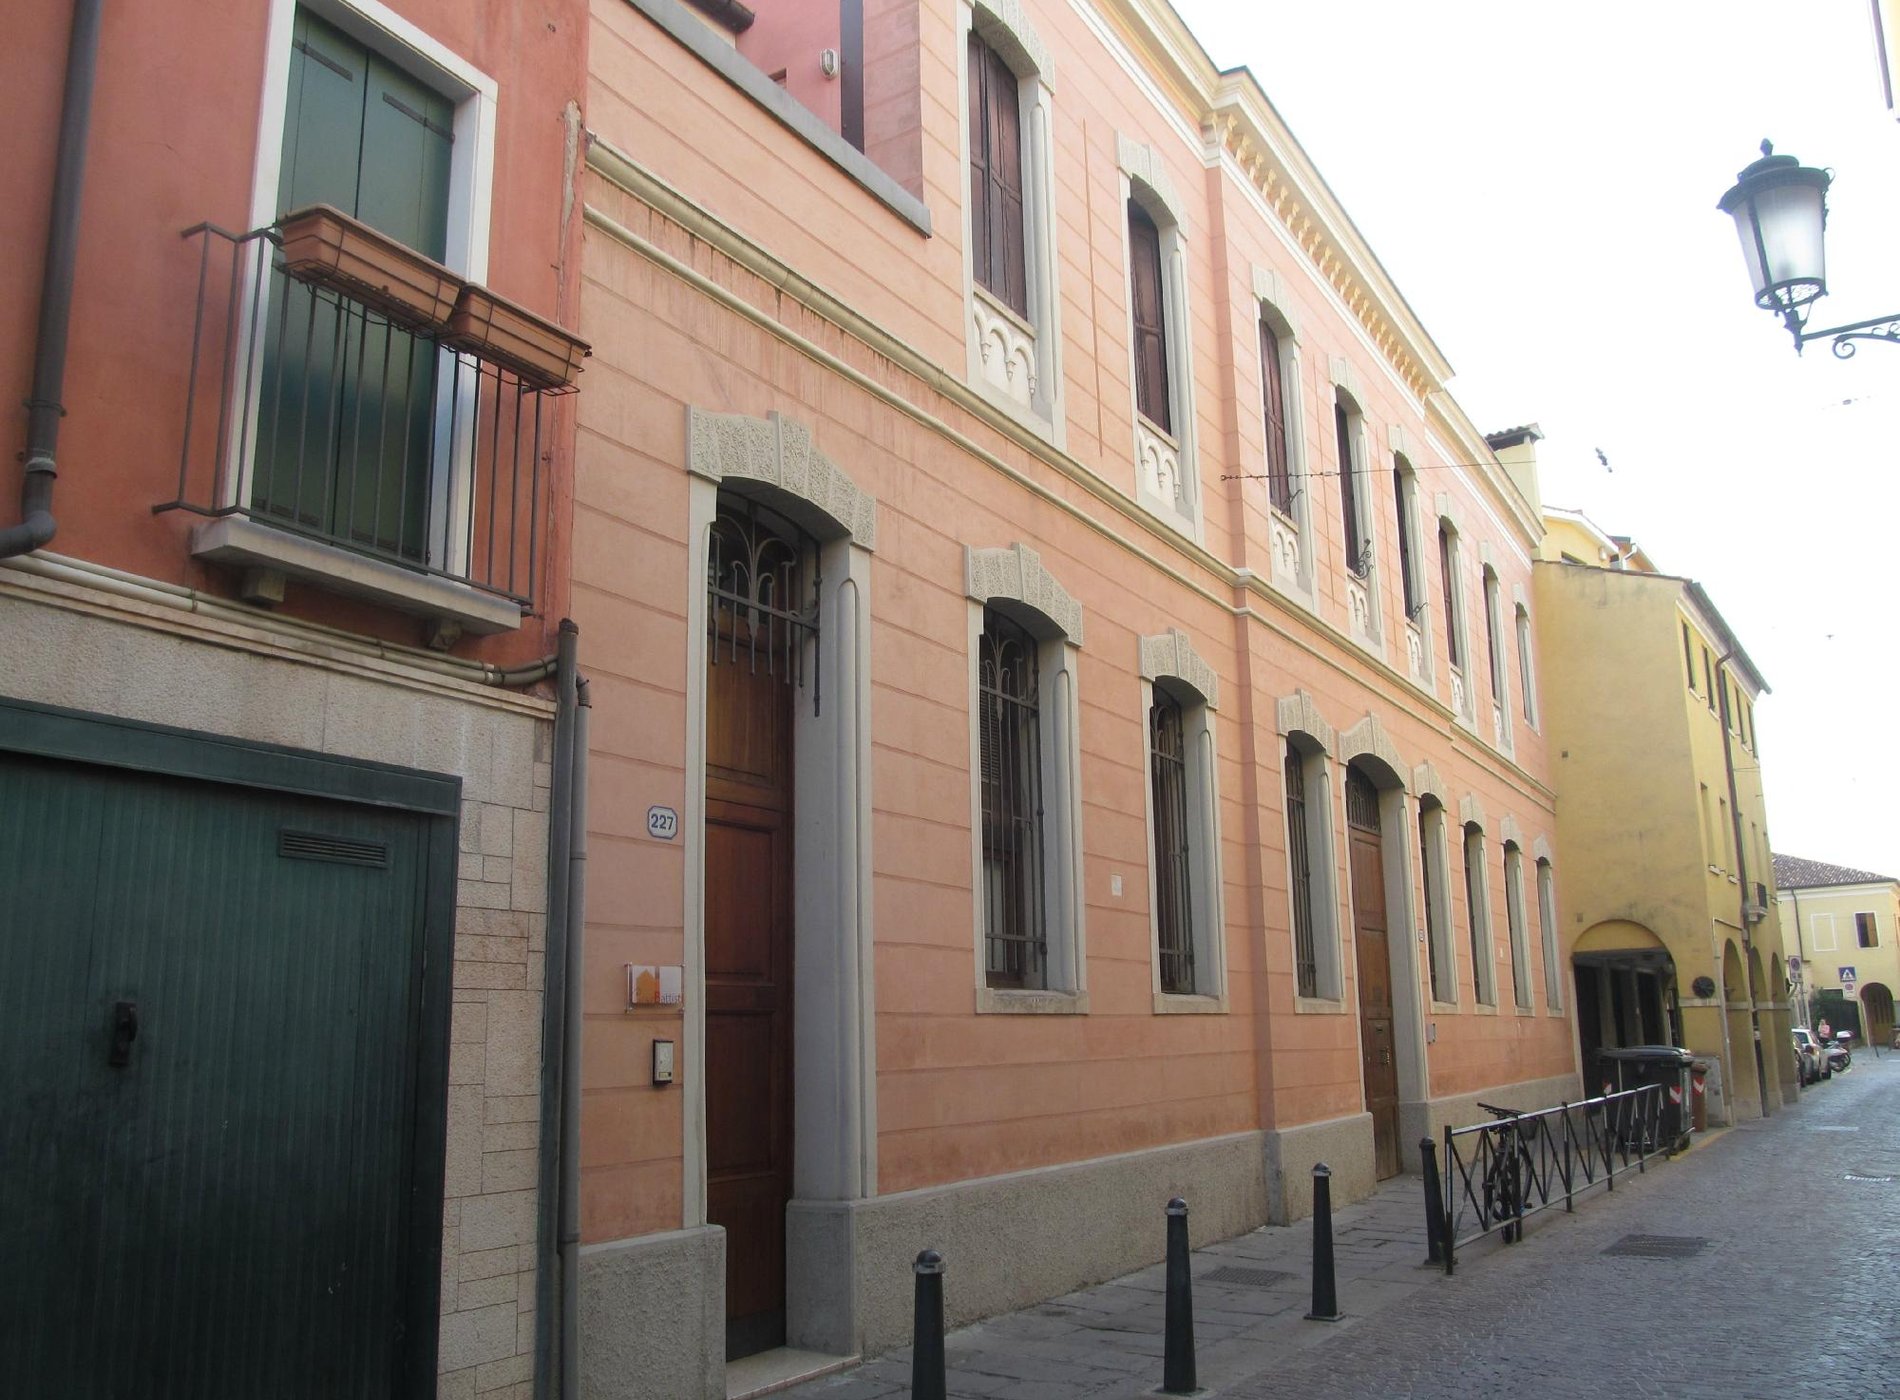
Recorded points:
(1403, 492)
(1151, 344)
(1349, 491)
(996, 178)
(1447, 577)
(1273, 391)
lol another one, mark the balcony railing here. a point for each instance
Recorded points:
(319, 413)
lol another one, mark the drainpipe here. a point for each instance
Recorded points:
(43, 409)
(553, 1006)
(1741, 871)
(1801, 951)
(571, 1007)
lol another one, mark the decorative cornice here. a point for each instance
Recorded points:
(1297, 714)
(1368, 737)
(778, 451)
(1004, 26)
(1017, 574)
(1139, 162)
(1172, 654)
(1425, 780)
(1470, 811)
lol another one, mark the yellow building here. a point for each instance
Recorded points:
(1672, 934)
(1842, 929)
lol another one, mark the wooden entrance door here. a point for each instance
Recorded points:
(751, 685)
(1376, 1049)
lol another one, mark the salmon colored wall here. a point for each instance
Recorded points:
(157, 165)
(961, 1095)
(791, 36)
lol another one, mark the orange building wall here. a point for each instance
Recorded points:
(961, 1095)
(157, 165)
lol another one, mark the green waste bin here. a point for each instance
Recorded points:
(1632, 1066)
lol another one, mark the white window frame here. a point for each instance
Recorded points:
(1365, 621)
(1301, 724)
(1168, 662)
(1001, 344)
(471, 198)
(1463, 696)
(1514, 918)
(1015, 578)
(1547, 928)
(1526, 656)
(1291, 535)
(1484, 975)
(1825, 922)
(1145, 181)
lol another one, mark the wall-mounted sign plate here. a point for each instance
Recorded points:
(652, 985)
(663, 823)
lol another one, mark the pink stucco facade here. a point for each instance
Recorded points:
(732, 266)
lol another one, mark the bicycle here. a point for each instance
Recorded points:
(1505, 1174)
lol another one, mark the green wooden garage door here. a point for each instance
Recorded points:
(230, 1211)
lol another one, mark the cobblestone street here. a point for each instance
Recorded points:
(1795, 1293)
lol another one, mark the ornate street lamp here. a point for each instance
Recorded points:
(1780, 210)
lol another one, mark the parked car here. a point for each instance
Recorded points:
(1810, 1056)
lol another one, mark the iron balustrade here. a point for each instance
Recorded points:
(314, 413)
(1499, 1174)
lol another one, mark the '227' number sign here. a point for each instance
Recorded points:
(663, 823)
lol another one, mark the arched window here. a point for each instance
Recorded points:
(1478, 916)
(1434, 867)
(1547, 927)
(1514, 921)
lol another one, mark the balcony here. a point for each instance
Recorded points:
(358, 418)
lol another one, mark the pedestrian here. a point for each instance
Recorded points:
(1827, 1031)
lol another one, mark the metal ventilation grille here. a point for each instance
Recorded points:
(317, 845)
(1659, 1246)
(1246, 1278)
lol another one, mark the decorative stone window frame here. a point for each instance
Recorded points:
(1503, 732)
(1526, 655)
(1547, 927)
(1290, 542)
(776, 461)
(1435, 851)
(1484, 974)
(1462, 693)
(1159, 455)
(1408, 504)
(1515, 916)
(1299, 723)
(1014, 579)
(1364, 608)
(1368, 745)
(1015, 361)
(1169, 662)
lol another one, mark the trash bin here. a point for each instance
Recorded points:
(1633, 1066)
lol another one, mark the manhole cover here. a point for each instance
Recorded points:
(1659, 1246)
(1247, 1278)
(1876, 1177)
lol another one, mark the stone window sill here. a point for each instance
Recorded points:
(1186, 1004)
(1009, 1001)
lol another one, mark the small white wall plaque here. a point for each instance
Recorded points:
(663, 823)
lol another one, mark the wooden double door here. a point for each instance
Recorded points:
(1377, 1050)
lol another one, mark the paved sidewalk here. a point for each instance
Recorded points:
(1552, 1316)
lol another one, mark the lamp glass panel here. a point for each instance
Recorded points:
(1791, 221)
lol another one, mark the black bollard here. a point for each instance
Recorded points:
(1177, 1362)
(1434, 1203)
(1325, 1294)
(926, 1344)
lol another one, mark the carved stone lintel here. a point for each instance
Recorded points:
(1425, 780)
(779, 452)
(1297, 714)
(1471, 811)
(1508, 830)
(1172, 654)
(1368, 738)
(1139, 162)
(1016, 573)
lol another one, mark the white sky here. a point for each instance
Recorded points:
(1541, 181)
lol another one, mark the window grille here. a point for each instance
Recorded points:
(1429, 820)
(1016, 947)
(1305, 957)
(760, 611)
(1174, 915)
(1362, 802)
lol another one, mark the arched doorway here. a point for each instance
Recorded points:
(1626, 991)
(1376, 917)
(1876, 1005)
